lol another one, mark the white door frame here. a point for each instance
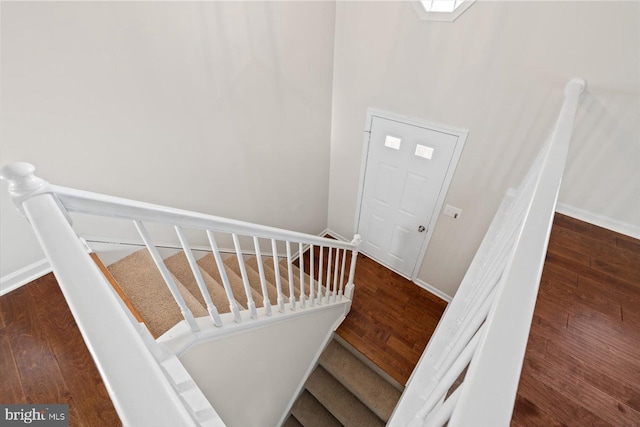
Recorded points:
(462, 139)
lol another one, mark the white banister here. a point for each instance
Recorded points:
(510, 318)
(86, 202)
(494, 304)
(211, 308)
(141, 393)
(166, 275)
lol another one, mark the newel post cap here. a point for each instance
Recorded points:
(21, 179)
(575, 84)
(357, 240)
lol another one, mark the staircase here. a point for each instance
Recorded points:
(142, 284)
(344, 388)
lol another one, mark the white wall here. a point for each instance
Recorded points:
(499, 71)
(217, 107)
(257, 373)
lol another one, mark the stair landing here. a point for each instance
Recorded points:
(391, 318)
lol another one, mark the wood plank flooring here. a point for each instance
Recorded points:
(582, 365)
(391, 318)
(43, 358)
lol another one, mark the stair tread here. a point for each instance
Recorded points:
(369, 387)
(309, 412)
(180, 268)
(338, 400)
(208, 263)
(270, 275)
(141, 281)
(292, 422)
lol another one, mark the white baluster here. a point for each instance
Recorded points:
(352, 268)
(276, 268)
(344, 263)
(292, 296)
(320, 276)
(463, 335)
(442, 414)
(251, 305)
(157, 259)
(233, 305)
(263, 280)
(449, 377)
(328, 285)
(335, 276)
(211, 308)
(301, 264)
(311, 277)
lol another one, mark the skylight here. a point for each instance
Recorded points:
(441, 10)
(441, 5)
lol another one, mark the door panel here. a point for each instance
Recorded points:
(405, 170)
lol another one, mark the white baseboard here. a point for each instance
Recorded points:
(437, 292)
(600, 220)
(13, 281)
(334, 234)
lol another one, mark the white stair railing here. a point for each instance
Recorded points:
(486, 326)
(141, 393)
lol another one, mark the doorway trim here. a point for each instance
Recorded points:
(462, 139)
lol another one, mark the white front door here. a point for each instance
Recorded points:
(406, 168)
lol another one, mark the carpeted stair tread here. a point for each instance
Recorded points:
(208, 263)
(254, 278)
(343, 405)
(270, 275)
(310, 413)
(180, 268)
(142, 283)
(375, 392)
(292, 422)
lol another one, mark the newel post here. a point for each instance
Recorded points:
(23, 185)
(348, 291)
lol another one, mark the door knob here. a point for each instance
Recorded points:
(421, 228)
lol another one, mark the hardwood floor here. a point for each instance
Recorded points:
(582, 365)
(391, 318)
(43, 358)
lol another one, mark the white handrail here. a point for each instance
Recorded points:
(141, 393)
(499, 291)
(116, 207)
(509, 321)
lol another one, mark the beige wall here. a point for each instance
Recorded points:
(498, 71)
(222, 108)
